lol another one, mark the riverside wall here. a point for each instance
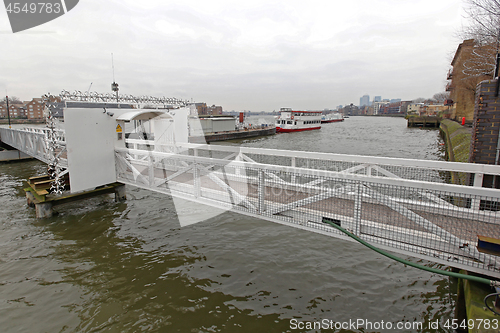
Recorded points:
(457, 140)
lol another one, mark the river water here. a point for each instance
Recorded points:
(101, 266)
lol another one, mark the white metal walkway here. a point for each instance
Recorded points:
(405, 206)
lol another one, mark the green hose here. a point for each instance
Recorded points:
(409, 263)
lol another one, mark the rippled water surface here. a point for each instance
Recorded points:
(101, 266)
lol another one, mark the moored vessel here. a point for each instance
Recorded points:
(332, 118)
(295, 121)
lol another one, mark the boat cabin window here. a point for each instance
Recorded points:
(289, 122)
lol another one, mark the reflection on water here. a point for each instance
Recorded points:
(101, 266)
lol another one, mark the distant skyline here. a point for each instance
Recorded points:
(365, 100)
(257, 55)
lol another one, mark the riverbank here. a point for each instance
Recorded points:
(457, 139)
(22, 121)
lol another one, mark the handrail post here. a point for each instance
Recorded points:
(151, 174)
(357, 208)
(261, 191)
(196, 180)
(478, 182)
(237, 170)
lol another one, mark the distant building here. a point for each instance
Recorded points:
(28, 109)
(34, 108)
(377, 106)
(365, 100)
(214, 110)
(392, 108)
(350, 110)
(377, 99)
(415, 108)
(395, 100)
(3, 111)
(201, 108)
(433, 110)
(15, 111)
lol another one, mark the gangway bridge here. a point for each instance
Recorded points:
(405, 206)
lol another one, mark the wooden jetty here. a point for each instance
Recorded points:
(38, 194)
(424, 121)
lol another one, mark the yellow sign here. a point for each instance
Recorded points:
(118, 128)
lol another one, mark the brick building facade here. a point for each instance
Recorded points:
(203, 109)
(29, 109)
(485, 132)
(214, 110)
(34, 108)
(15, 111)
(462, 87)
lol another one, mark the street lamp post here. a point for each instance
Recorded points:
(8, 111)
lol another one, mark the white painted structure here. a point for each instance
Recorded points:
(403, 205)
(94, 134)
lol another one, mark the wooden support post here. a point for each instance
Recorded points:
(120, 193)
(30, 199)
(43, 209)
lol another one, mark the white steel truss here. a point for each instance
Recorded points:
(35, 142)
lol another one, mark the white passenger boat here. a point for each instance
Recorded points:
(332, 118)
(295, 121)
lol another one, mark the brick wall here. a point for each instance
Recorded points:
(486, 127)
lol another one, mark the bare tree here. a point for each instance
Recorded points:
(12, 100)
(441, 97)
(484, 28)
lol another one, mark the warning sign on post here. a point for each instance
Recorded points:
(118, 128)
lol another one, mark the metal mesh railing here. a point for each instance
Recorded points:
(425, 219)
(418, 170)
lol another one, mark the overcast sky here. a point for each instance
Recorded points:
(253, 55)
